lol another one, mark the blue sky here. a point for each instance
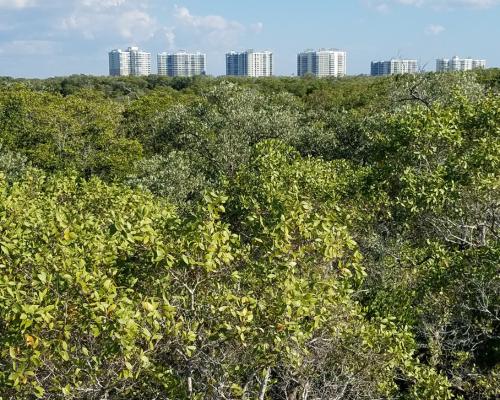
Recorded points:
(40, 38)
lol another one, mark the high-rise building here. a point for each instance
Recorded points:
(182, 63)
(236, 64)
(442, 65)
(394, 67)
(119, 63)
(478, 64)
(140, 62)
(249, 63)
(458, 64)
(322, 63)
(129, 62)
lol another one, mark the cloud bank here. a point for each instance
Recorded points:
(17, 4)
(384, 5)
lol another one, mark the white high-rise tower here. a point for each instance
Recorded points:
(249, 63)
(458, 64)
(322, 63)
(394, 67)
(182, 63)
(131, 62)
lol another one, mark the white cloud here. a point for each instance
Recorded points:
(214, 30)
(208, 22)
(384, 5)
(452, 3)
(124, 18)
(102, 3)
(169, 35)
(434, 30)
(135, 23)
(29, 47)
(17, 4)
(417, 3)
(479, 3)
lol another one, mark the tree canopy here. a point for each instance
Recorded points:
(284, 238)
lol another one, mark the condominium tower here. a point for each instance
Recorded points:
(394, 67)
(182, 63)
(129, 62)
(322, 63)
(458, 64)
(249, 63)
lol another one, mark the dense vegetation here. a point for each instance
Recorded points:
(250, 239)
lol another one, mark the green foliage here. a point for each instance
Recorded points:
(143, 117)
(438, 266)
(217, 132)
(12, 164)
(174, 177)
(490, 78)
(434, 88)
(70, 320)
(73, 133)
(282, 238)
